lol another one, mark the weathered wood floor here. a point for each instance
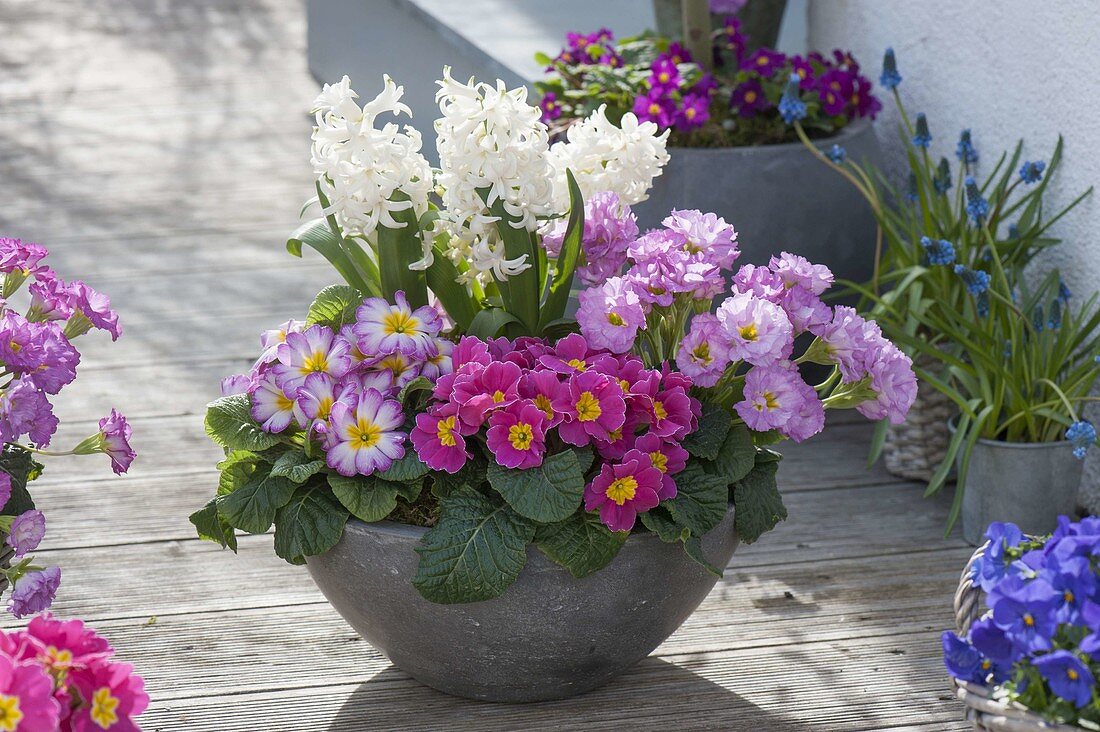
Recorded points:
(161, 150)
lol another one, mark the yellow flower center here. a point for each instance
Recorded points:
(1028, 620)
(364, 435)
(615, 319)
(659, 460)
(1071, 674)
(10, 714)
(395, 363)
(15, 347)
(701, 353)
(324, 408)
(520, 435)
(769, 402)
(543, 402)
(282, 403)
(855, 100)
(835, 85)
(59, 660)
(399, 322)
(1069, 596)
(103, 707)
(577, 363)
(315, 362)
(663, 77)
(659, 410)
(762, 61)
(588, 407)
(677, 60)
(624, 385)
(498, 396)
(445, 431)
(622, 490)
(987, 664)
(748, 332)
(750, 96)
(690, 112)
(654, 108)
(615, 435)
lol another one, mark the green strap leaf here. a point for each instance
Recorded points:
(252, 507)
(580, 543)
(318, 235)
(310, 524)
(475, 551)
(759, 506)
(489, 322)
(334, 306)
(701, 500)
(442, 279)
(521, 292)
(558, 296)
(229, 423)
(367, 498)
(397, 249)
(714, 425)
(548, 493)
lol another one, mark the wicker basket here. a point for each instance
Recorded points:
(989, 714)
(915, 448)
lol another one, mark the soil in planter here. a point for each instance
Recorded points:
(423, 512)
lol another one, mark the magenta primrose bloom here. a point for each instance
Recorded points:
(439, 438)
(492, 387)
(655, 107)
(621, 492)
(541, 388)
(592, 406)
(749, 98)
(382, 327)
(664, 76)
(365, 438)
(667, 456)
(26, 697)
(517, 435)
(114, 694)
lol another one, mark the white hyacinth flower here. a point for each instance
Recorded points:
(360, 167)
(623, 160)
(490, 139)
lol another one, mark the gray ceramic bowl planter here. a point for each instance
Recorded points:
(778, 197)
(1030, 484)
(549, 636)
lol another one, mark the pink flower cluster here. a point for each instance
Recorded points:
(58, 675)
(609, 228)
(528, 399)
(342, 386)
(36, 348)
(686, 257)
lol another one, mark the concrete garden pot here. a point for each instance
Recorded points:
(1030, 484)
(549, 636)
(778, 198)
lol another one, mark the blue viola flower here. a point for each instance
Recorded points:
(923, 136)
(976, 280)
(1083, 435)
(1068, 676)
(941, 181)
(1072, 578)
(791, 107)
(962, 659)
(976, 206)
(938, 251)
(1032, 172)
(890, 78)
(965, 150)
(1024, 610)
(992, 566)
(998, 652)
(836, 154)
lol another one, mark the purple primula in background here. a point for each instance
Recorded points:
(26, 532)
(34, 591)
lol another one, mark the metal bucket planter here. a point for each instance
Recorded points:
(778, 197)
(1030, 484)
(549, 636)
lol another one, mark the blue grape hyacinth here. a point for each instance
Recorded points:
(1082, 435)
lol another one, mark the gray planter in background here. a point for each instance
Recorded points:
(778, 198)
(549, 636)
(1030, 484)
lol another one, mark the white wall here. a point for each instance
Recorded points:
(1006, 69)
